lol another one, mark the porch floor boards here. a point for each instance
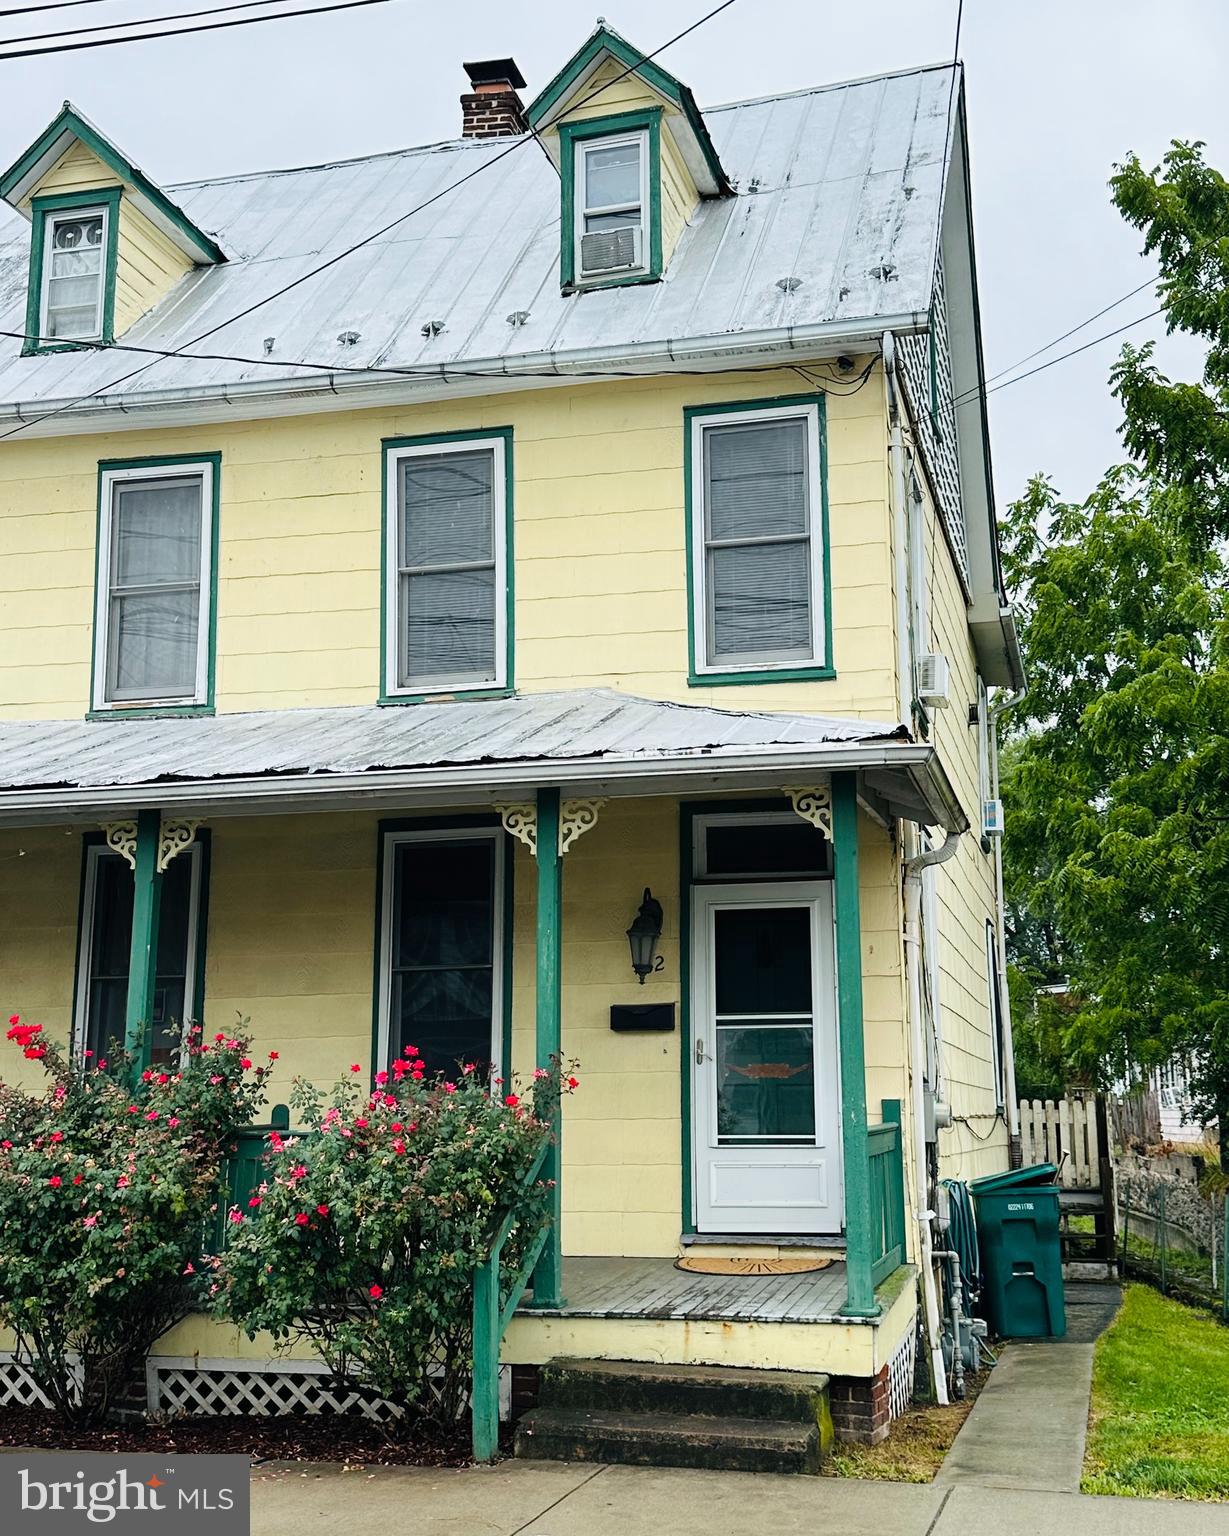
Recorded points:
(654, 1288)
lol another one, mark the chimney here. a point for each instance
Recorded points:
(492, 109)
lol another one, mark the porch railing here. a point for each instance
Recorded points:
(243, 1170)
(887, 1182)
(493, 1311)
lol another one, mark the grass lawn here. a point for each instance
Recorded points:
(1160, 1403)
(916, 1445)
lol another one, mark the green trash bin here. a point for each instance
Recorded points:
(1021, 1253)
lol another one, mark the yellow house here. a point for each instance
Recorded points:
(418, 571)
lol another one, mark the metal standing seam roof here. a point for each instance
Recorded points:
(839, 187)
(284, 759)
(591, 725)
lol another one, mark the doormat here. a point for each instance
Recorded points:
(699, 1265)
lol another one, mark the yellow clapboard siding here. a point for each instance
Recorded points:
(148, 265)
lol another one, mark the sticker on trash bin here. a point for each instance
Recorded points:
(1021, 1205)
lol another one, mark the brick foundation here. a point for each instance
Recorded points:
(525, 1379)
(861, 1411)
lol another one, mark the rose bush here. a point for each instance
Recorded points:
(107, 1183)
(363, 1238)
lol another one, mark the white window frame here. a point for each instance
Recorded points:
(111, 478)
(757, 662)
(85, 938)
(51, 218)
(394, 457)
(999, 1023)
(392, 841)
(703, 824)
(581, 211)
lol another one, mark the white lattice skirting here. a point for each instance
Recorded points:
(900, 1375)
(192, 1385)
(18, 1389)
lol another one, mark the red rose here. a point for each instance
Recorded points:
(302, 1219)
(375, 1292)
(322, 1210)
(55, 1181)
(512, 1101)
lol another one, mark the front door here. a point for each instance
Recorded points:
(765, 1089)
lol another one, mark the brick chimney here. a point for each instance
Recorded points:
(492, 109)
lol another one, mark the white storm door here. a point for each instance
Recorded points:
(765, 1084)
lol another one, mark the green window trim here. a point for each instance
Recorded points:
(821, 668)
(106, 198)
(128, 709)
(504, 685)
(441, 826)
(615, 125)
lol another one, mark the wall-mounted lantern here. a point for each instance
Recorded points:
(644, 934)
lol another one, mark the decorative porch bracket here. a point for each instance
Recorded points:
(861, 1243)
(813, 802)
(576, 817)
(143, 952)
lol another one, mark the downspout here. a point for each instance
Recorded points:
(913, 881)
(1000, 707)
(917, 1049)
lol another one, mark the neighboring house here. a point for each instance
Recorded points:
(1171, 1084)
(621, 519)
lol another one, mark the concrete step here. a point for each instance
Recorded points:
(629, 1386)
(669, 1440)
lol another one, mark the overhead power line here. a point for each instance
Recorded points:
(367, 239)
(981, 391)
(1020, 361)
(206, 26)
(142, 21)
(51, 5)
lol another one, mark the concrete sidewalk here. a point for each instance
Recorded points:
(525, 1498)
(1028, 1427)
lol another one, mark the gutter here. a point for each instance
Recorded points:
(322, 390)
(997, 708)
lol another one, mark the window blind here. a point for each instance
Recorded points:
(447, 568)
(757, 519)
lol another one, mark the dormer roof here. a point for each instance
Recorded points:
(688, 126)
(21, 180)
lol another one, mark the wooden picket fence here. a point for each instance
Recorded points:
(1063, 1132)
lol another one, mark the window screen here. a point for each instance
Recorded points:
(154, 591)
(442, 951)
(757, 534)
(73, 258)
(447, 568)
(107, 953)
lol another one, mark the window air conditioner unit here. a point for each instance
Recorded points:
(932, 680)
(992, 818)
(610, 250)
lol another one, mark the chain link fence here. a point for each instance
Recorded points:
(1174, 1237)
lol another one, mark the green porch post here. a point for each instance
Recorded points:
(548, 1273)
(143, 953)
(859, 1243)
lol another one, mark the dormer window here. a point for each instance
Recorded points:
(74, 246)
(612, 175)
(611, 169)
(73, 251)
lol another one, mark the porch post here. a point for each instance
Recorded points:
(548, 1273)
(143, 953)
(859, 1256)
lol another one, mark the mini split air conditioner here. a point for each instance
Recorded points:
(610, 250)
(932, 680)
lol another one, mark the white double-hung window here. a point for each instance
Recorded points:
(155, 557)
(446, 566)
(74, 274)
(759, 578)
(611, 177)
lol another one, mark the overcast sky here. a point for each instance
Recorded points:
(1058, 90)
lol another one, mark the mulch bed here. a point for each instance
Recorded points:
(324, 1438)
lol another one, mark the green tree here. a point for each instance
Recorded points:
(1117, 784)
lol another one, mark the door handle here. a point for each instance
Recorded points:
(699, 1053)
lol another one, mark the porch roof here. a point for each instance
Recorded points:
(595, 741)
